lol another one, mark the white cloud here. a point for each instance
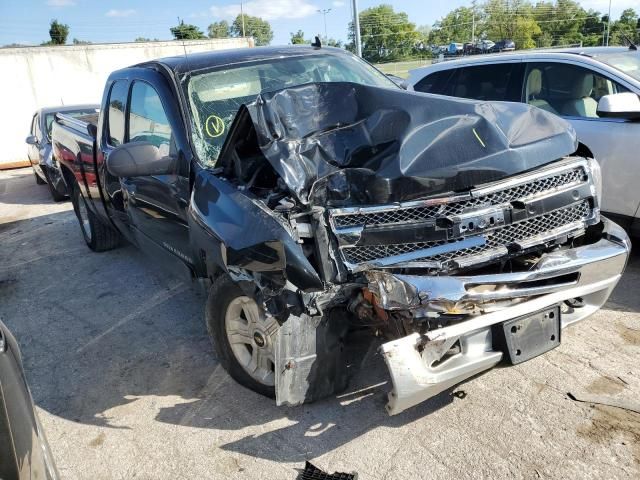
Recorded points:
(268, 9)
(120, 13)
(61, 3)
(338, 3)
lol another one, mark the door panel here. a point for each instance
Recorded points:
(157, 205)
(573, 91)
(615, 144)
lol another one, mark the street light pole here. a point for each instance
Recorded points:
(356, 27)
(609, 23)
(242, 16)
(324, 13)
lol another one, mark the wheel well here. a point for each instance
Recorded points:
(584, 151)
(68, 176)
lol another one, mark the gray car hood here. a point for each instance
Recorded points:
(346, 144)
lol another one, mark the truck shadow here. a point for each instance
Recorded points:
(107, 336)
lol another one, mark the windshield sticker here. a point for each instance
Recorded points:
(214, 126)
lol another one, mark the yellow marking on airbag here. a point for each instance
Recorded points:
(478, 137)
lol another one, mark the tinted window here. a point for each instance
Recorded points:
(147, 119)
(488, 82)
(567, 89)
(434, 83)
(115, 115)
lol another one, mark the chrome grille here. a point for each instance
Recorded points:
(497, 238)
(422, 213)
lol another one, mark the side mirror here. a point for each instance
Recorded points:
(139, 159)
(32, 140)
(619, 105)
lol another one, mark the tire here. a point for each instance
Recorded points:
(222, 305)
(54, 193)
(39, 180)
(98, 236)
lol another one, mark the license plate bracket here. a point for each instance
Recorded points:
(531, 335)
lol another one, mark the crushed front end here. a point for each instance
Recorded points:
(449, 272)
(439, 223)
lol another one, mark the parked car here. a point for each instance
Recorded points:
(483, 46)
(595, 89)
(455, 48)
(309, 194)
(45, 170)
(503, 46)
(24, 451)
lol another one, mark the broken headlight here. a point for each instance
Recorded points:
(596, 177)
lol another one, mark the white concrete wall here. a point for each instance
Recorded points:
(35, 77)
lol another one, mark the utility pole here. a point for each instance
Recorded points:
(473, 22)
(609, 23)
(324, 12)
(242, 16)
(356, 27)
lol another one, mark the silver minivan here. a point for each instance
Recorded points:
(595, 89)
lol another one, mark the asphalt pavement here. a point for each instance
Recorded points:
(127, 384)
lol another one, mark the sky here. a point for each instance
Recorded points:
(27, 21)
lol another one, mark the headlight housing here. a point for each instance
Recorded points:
(596, 176)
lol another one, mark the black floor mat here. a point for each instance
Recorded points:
(311, 472)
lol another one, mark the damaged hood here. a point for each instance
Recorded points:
(347, 144)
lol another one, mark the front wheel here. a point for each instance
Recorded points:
(243, 335)
(98, 236)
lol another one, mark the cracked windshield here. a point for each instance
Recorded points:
(215, 96)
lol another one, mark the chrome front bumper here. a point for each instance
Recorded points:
(588, 272)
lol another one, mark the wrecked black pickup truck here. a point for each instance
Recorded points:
(312, 196)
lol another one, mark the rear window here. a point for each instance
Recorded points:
(115, 113)
(48, 118)
(434, 83)
(495, 82)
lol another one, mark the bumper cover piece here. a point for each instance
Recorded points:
(422, 366)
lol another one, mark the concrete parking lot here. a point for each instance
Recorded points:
(127, 384)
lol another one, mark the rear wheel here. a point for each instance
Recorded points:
(39, 180)
(54, 193)
(243, 335)
(98, 236)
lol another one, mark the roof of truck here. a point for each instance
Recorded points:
(198, 61)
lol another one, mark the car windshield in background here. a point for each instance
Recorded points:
(216, 95)
(48, 118)
(627, 62)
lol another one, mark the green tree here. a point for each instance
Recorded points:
(625, 27)
(76, 41)
(185, 31)
(456, 26)
(386, 35)
(254, 27)
(58, 33)
(511, 20)
(562, 22)
(298, 38)
(219, 29)
(332, 42)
